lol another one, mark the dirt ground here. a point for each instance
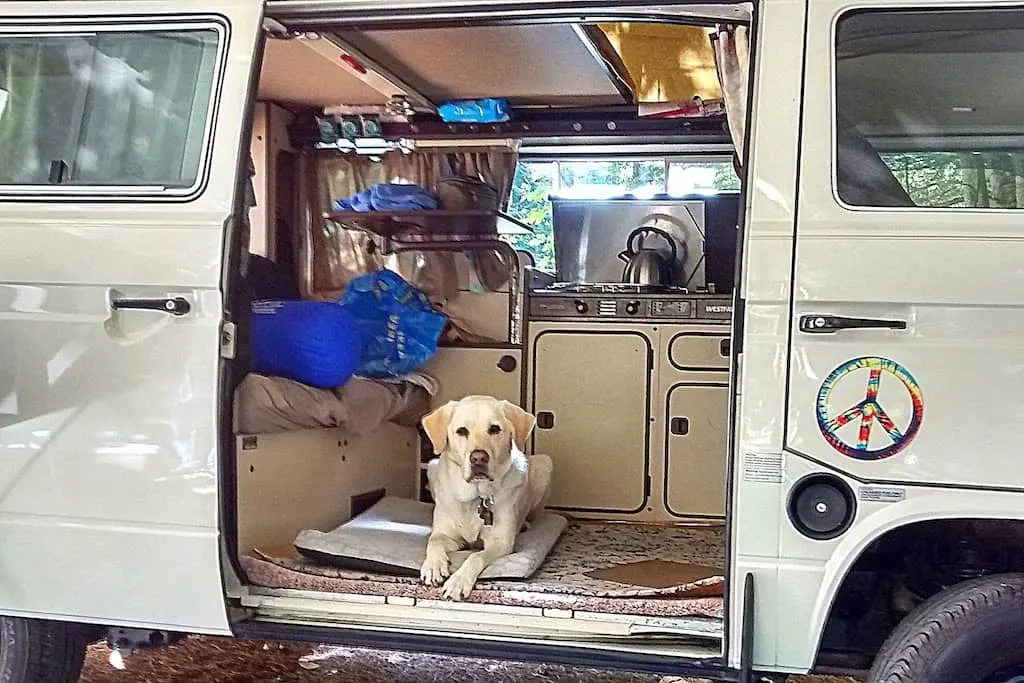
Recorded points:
(218, 660)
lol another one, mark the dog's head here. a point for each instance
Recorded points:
(478, 433)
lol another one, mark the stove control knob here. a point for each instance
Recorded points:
(633, 307)
(581, 306)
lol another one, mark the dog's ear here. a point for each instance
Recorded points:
(522, 423)
(435, 424)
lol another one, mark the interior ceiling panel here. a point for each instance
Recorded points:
(921, 77)
(293, 72)
(933, 93)
(527, 64)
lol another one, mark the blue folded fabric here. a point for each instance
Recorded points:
(487, 110)
(362, 201)
(389, 197)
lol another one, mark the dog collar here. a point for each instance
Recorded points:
(484, 510)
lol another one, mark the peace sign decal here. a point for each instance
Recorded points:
(869, 411)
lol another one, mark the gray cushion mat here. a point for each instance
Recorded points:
(391, 537)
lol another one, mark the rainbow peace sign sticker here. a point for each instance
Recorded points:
(869, 410)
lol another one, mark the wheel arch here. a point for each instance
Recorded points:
(908, 517)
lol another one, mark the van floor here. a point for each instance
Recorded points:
(614, 568)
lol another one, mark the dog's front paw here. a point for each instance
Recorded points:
(435, 570)
(458, 586)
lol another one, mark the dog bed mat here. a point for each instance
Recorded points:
(391, 538)
(567, 580)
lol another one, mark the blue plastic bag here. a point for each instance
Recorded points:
(399, 327)
(487, 110)
(314, 342)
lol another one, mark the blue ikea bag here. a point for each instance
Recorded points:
(400, 329)
(314, 342)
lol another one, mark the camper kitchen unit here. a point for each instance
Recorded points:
(754, 268)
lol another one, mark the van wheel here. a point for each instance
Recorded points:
(32, 651)
(969, 633)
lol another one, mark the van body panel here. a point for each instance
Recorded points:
(895, 264)
(952, 275)
(756, 514)
(108, 416)
(813, 572)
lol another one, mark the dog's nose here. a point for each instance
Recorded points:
(479, 458)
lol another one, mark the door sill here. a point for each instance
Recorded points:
(656, 657)
(496, 621)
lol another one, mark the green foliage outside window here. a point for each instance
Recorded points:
(535, 181)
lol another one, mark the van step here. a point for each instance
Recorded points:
(669, 659)
(495, 620)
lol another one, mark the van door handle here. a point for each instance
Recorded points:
(828, 324)
(177, 305)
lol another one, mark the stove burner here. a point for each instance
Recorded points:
(613, 288)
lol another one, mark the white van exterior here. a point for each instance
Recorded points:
(117, 342)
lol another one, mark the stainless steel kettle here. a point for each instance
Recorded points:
(647, 266)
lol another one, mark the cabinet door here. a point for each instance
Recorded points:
(701, 352)
(464, 371)
(696, 443)
(591, 395)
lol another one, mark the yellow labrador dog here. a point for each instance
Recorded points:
(484, 487)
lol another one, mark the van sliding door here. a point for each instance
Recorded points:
(120, 124)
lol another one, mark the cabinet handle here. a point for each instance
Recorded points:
(724, 347)
(545, 420)
(507, 363)
(680, 426)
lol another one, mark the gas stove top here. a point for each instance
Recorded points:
(612, 288)
(621, 301)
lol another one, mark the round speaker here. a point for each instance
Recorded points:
(821, 506)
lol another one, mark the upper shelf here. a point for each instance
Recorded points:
(441, 223)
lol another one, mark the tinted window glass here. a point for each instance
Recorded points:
(105, 108)
(929, 110)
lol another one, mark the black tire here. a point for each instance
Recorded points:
(966, 634)
(35, 651)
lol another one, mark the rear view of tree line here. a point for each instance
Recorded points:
(961, 179)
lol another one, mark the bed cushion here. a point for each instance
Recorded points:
(266, 404)
(391, 537)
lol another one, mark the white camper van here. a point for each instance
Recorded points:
(755, 267)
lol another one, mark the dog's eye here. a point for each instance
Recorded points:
(494, 429)
(462, 431)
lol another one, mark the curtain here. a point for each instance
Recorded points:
(668, 63)
(732, 55)
(335, 253)
(118, 108)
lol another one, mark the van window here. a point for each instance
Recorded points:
(106, 108)
(535, 181)
(928, 108)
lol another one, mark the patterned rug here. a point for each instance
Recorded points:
(560, 583)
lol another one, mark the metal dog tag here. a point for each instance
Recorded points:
(485, 512)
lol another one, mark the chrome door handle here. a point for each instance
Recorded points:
(177, 305)
(828, 324)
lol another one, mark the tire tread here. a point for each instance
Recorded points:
(43, 651)
(916, 641)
